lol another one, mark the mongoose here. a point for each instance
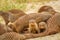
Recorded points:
(3, 29)
(15, 14)
(23, 21)
(11, 15)
(53, 27)
(33, 27)
(47, 9)
(54, 24)
(42, 26)
(5, 16)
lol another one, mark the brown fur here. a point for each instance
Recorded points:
(23, 21)
(12, 36)
(9, 29)
(15, 14)
(47, 9)
(11, 15)
(53, 26)
(15, 11)
(33, 27)
(3, 28)
(42, 26)
(5, 16)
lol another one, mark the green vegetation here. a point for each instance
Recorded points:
(8, 4)
(18, 4)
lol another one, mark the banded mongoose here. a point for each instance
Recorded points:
(23, 21)
(4, 29)
(33, 27)
(15, 14)
(11, 15)
(42, 26)
(53, 27)
(46, 8)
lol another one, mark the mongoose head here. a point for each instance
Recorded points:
(46, 9)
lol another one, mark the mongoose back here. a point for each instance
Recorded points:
(54, 24)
